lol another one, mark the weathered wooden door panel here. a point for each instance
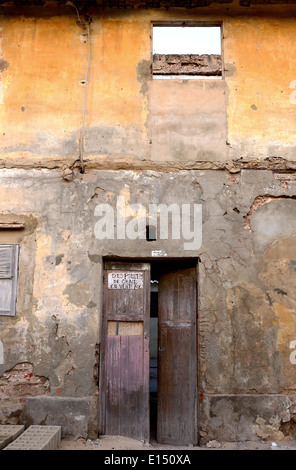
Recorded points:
(127, 386)
(125, 371)
(177, 395)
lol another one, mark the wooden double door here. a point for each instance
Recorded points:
(125, 352)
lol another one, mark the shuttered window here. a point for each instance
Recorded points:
(8, 278)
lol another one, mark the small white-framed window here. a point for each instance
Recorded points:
(187, 51)
(9, 255)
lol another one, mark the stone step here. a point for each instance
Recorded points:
(37, 438)
(8, 433)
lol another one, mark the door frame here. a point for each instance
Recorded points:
(134, 265)
(103, 332)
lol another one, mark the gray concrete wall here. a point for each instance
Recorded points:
(246, 287)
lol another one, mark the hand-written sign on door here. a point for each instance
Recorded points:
(125, 280)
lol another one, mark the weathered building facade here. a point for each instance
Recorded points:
(88, 130)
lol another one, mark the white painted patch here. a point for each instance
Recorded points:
(293, 354)
(1, 353)
(125, 280)
(293, 94)
(79, 418)
(158, 253)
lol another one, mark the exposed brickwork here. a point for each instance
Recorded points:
(15, 385)
(187, 64)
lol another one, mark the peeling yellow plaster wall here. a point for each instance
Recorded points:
(280, 280)
(43, 97)
(43, 94)
(41, 84)
(260, 113)
(118, 46)
(287, 326)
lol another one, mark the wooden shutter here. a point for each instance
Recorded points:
(125, 364)
(8, 278)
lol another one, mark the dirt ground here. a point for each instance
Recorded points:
(122, 443)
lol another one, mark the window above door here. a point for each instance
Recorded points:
(188, 51)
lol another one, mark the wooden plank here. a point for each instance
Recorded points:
(123, 302)
(102, 382)
(124, 392)
(139, 384)
(130, 265)
(127, 404)
(177, 396)
(125, 425)
(113, 369)
(125, 318)
(123, 328)
(176, 400)
(134, 408)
